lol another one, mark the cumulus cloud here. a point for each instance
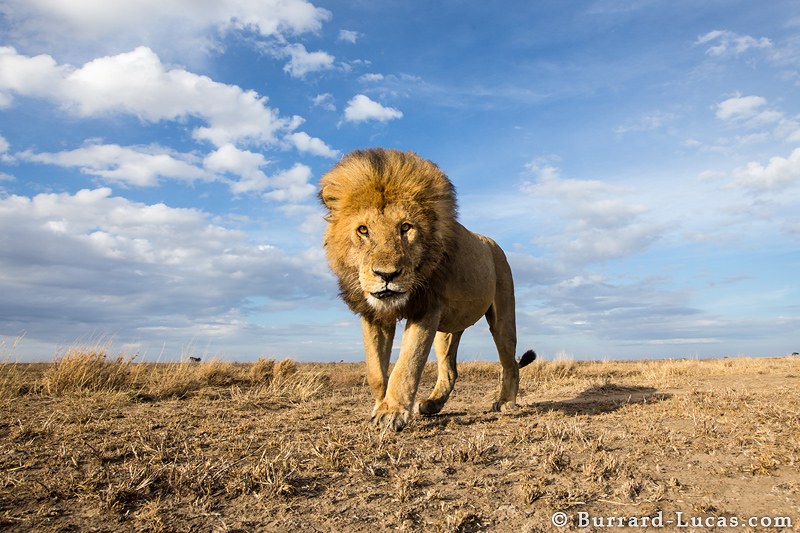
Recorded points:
(325, 101)
(302, 62)
(600, 307)
(349, 36)
(246, 165)
(145, 166)
(739, 106)
(643, 315)
(753, 113)
(4, 146)
(724, 42)
(371, 77)
(361, 108)
(139, 166)
(184, 28)
(93, 260)
(779, 174)
(137, 83)
(305, 143)
(291, 185)
(589, 220)
(543, 169)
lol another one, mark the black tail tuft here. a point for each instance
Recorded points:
(527, 358)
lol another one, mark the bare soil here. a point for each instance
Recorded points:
(696, 443)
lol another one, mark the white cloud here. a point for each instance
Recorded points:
(228, 158)
(349, 36)
(360, 108)
(139, 166)
(28, 75)
(779, 174)
(247, 165)
(182, 28)
(752, 112)
(544, 168)
(370, 77)
(588, 220)
(292, 185)
(311, 145)
(137, 83)
(647, 122)
(325, 101)
(302, 62)
(90, 261)
(286, 186)
(106, 17)
(142, 166)
(3, 145)
(595, 305)
(739, 107)
(723, 42)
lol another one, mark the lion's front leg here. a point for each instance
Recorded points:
(377, 350)
(397, 407)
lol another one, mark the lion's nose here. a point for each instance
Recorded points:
(386, 274)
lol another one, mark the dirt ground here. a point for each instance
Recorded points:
(674, 445)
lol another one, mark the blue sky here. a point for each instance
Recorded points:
(638, 160)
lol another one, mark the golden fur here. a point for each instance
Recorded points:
(399, 253)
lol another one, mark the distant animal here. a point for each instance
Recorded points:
(394, 243)
(194, 359)
(795, 353)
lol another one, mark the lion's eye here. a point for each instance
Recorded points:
(362, 230)
(406, 227)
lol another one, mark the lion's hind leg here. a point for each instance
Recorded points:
(446, 346)
(502, 324)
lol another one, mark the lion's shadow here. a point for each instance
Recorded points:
(600, 399)
(595, 400)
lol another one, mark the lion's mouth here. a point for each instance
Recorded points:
(386, 293)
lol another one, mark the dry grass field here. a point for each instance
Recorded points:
(96, 443)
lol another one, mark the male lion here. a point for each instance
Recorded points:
(399, 253)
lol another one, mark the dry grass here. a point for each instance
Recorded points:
(13, 381)
(92, 442)
(79, 372)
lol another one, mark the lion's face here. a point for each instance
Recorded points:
(387, 248)
(390, 215)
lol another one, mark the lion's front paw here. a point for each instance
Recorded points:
(430, 407)
(504, 406)
(395, 418)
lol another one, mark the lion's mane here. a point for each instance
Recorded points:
(378, 178)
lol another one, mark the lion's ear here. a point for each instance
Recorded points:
(327, 199)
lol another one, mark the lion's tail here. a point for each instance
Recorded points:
(527, 358)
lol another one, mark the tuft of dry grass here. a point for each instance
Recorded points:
(13, 382)
(87, 372)
(262, 371)
(217, 373)
(283, 389)
(548, 374)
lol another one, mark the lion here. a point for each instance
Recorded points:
(394, 242)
